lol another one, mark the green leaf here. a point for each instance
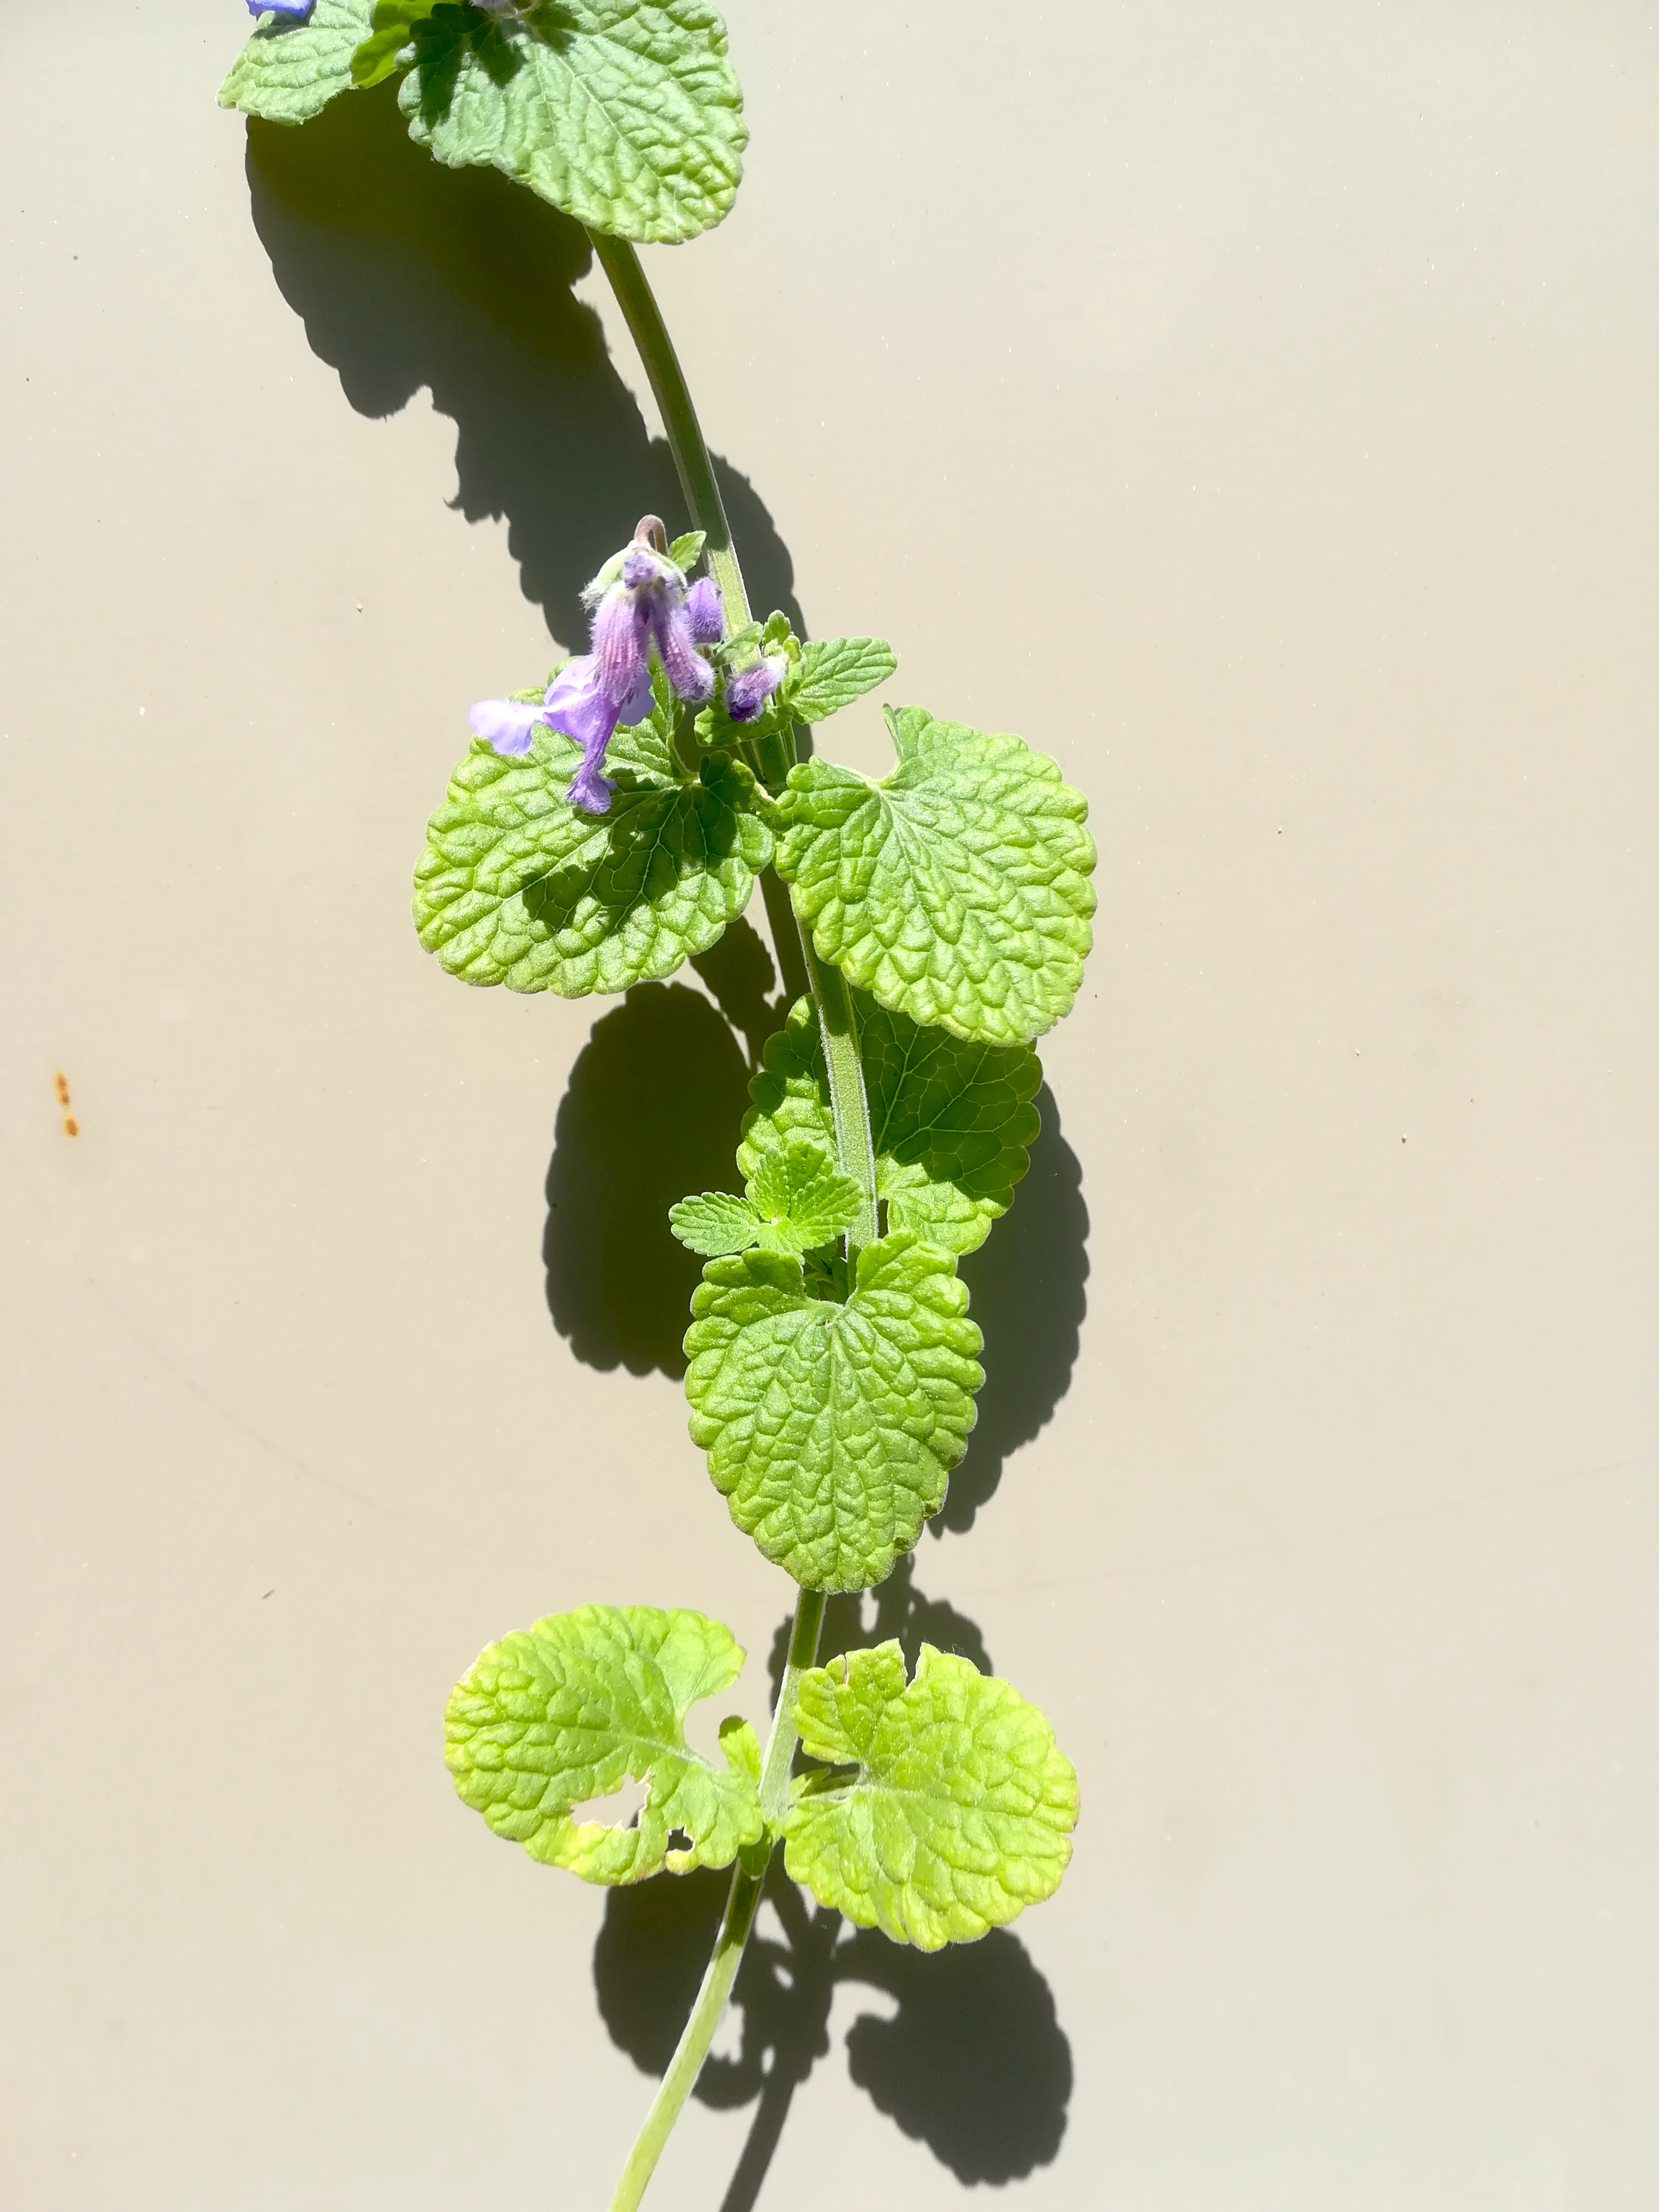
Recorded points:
(956, 890)
(625, 113)
(800, 1198)
(569, 1708)
(830, 1429)
(685, 552)
(835, 670)
(392, 28)
(289, 71)
(952, 1121)
(517, 886)
(714, 1223)
(959, 1810)
(796, 1201)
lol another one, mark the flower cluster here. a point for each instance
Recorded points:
(641, 605)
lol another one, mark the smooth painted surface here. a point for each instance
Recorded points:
(1253, 407)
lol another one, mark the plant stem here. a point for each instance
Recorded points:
(621, 264)
(737, 1919)
(856, 1157)
(849, 1105)
(849, 1102)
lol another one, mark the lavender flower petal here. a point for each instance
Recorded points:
(295, 10)
(619, 636)
(684, 666)
(705, 612)
(508, 724)
(748, 691)
(578, 705)
(590, 790)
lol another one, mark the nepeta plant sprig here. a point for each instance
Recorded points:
(606, 826)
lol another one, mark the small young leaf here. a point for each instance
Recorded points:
(568, 1709)
(685, 552)
(796, 1201)
(290, 70)
(392, 28)
(517, 886)
(951, 1122)
(957, 888)
(961, 1810)
(835, 670)
(830, 1429)
(627, 116)
(715, 1224)
(800, 1199)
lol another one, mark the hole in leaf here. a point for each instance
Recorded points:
(621, 1809)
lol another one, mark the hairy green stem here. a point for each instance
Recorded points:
(850, 1103)
(742, 1900)
(856, 1157)
(621, 264)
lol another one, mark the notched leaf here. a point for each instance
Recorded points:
(945, 1808)
(562, 1713)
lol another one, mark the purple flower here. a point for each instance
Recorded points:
(647, 605)
(748, 691)
(704, 612)
(578, 702)
(295, 10)
(640, 600)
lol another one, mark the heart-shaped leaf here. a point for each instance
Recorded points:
(517, 886)
(830, 1428)
(955, 890)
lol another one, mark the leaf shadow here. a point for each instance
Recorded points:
(971, 2059)
(410, 276)
(651, 1113)
(1026, 1287)
(963, 2049)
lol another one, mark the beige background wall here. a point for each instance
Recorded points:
(1253, 406)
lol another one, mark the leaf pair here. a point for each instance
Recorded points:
(944, 1810)
(955, 891)
(795, 1202)
(951, 1122)
(630, 118)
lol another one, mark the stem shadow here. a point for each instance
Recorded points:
(963, 2050)
(411, 276)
